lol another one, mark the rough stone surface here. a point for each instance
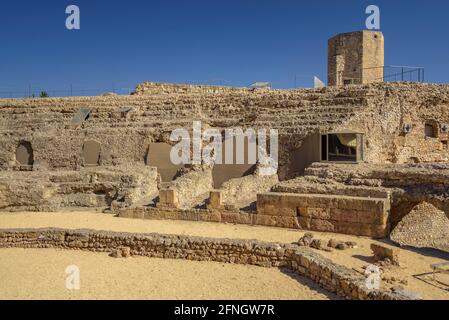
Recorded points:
(383, 253)
(424, 227)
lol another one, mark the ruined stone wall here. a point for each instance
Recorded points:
(335, 278)
(94, 188)
(361, 216)
(193, 187)
(57, 144)
(168, 88)
(406, 185)
(378, 110)
(394, 107)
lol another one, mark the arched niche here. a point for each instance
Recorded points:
(91, 153)
(24, 153)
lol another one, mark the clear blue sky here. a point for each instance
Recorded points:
(238, 41)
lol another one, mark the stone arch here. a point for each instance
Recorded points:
(24, 153)
(91, 153)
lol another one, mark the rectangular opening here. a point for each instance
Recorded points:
(342, 147)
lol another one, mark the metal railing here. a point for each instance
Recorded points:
(403, 73)
(41, 91)
(390, 74)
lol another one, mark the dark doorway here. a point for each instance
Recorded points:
(24, 154)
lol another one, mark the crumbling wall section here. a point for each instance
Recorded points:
(87, 188)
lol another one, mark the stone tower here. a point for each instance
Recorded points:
(356, 58)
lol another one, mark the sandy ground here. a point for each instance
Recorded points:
(40, 274)
(415, 264)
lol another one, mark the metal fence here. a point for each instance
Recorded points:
(41, 91)
(390, 74)
(403, 73)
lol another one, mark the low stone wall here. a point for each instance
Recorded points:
(225, 215)
(324, 213)
(359, 216)
(335, 278)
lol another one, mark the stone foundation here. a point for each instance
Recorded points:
(359, 216)
(330, 276)
(340, 214)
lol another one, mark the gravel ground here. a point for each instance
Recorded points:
(424, 227)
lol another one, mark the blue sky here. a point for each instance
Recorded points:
(122, 43)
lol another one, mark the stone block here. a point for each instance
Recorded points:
(215, 200)
(172, 215)
(288, 222)
(210, 216)
(153, 214)
(168, 198)
(382, 252)
(358, 229)
(264, 220)
(319, 213)
(235, 217)
(286, 211)
(322, 225)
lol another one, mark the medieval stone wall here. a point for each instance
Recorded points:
(356, 58)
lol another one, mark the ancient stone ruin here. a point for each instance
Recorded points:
(360, 157)
(355, 157)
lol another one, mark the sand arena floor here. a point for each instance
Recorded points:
(40, 274)
(213, 280)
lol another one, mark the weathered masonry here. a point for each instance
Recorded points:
(113, 152)
(356, 58)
